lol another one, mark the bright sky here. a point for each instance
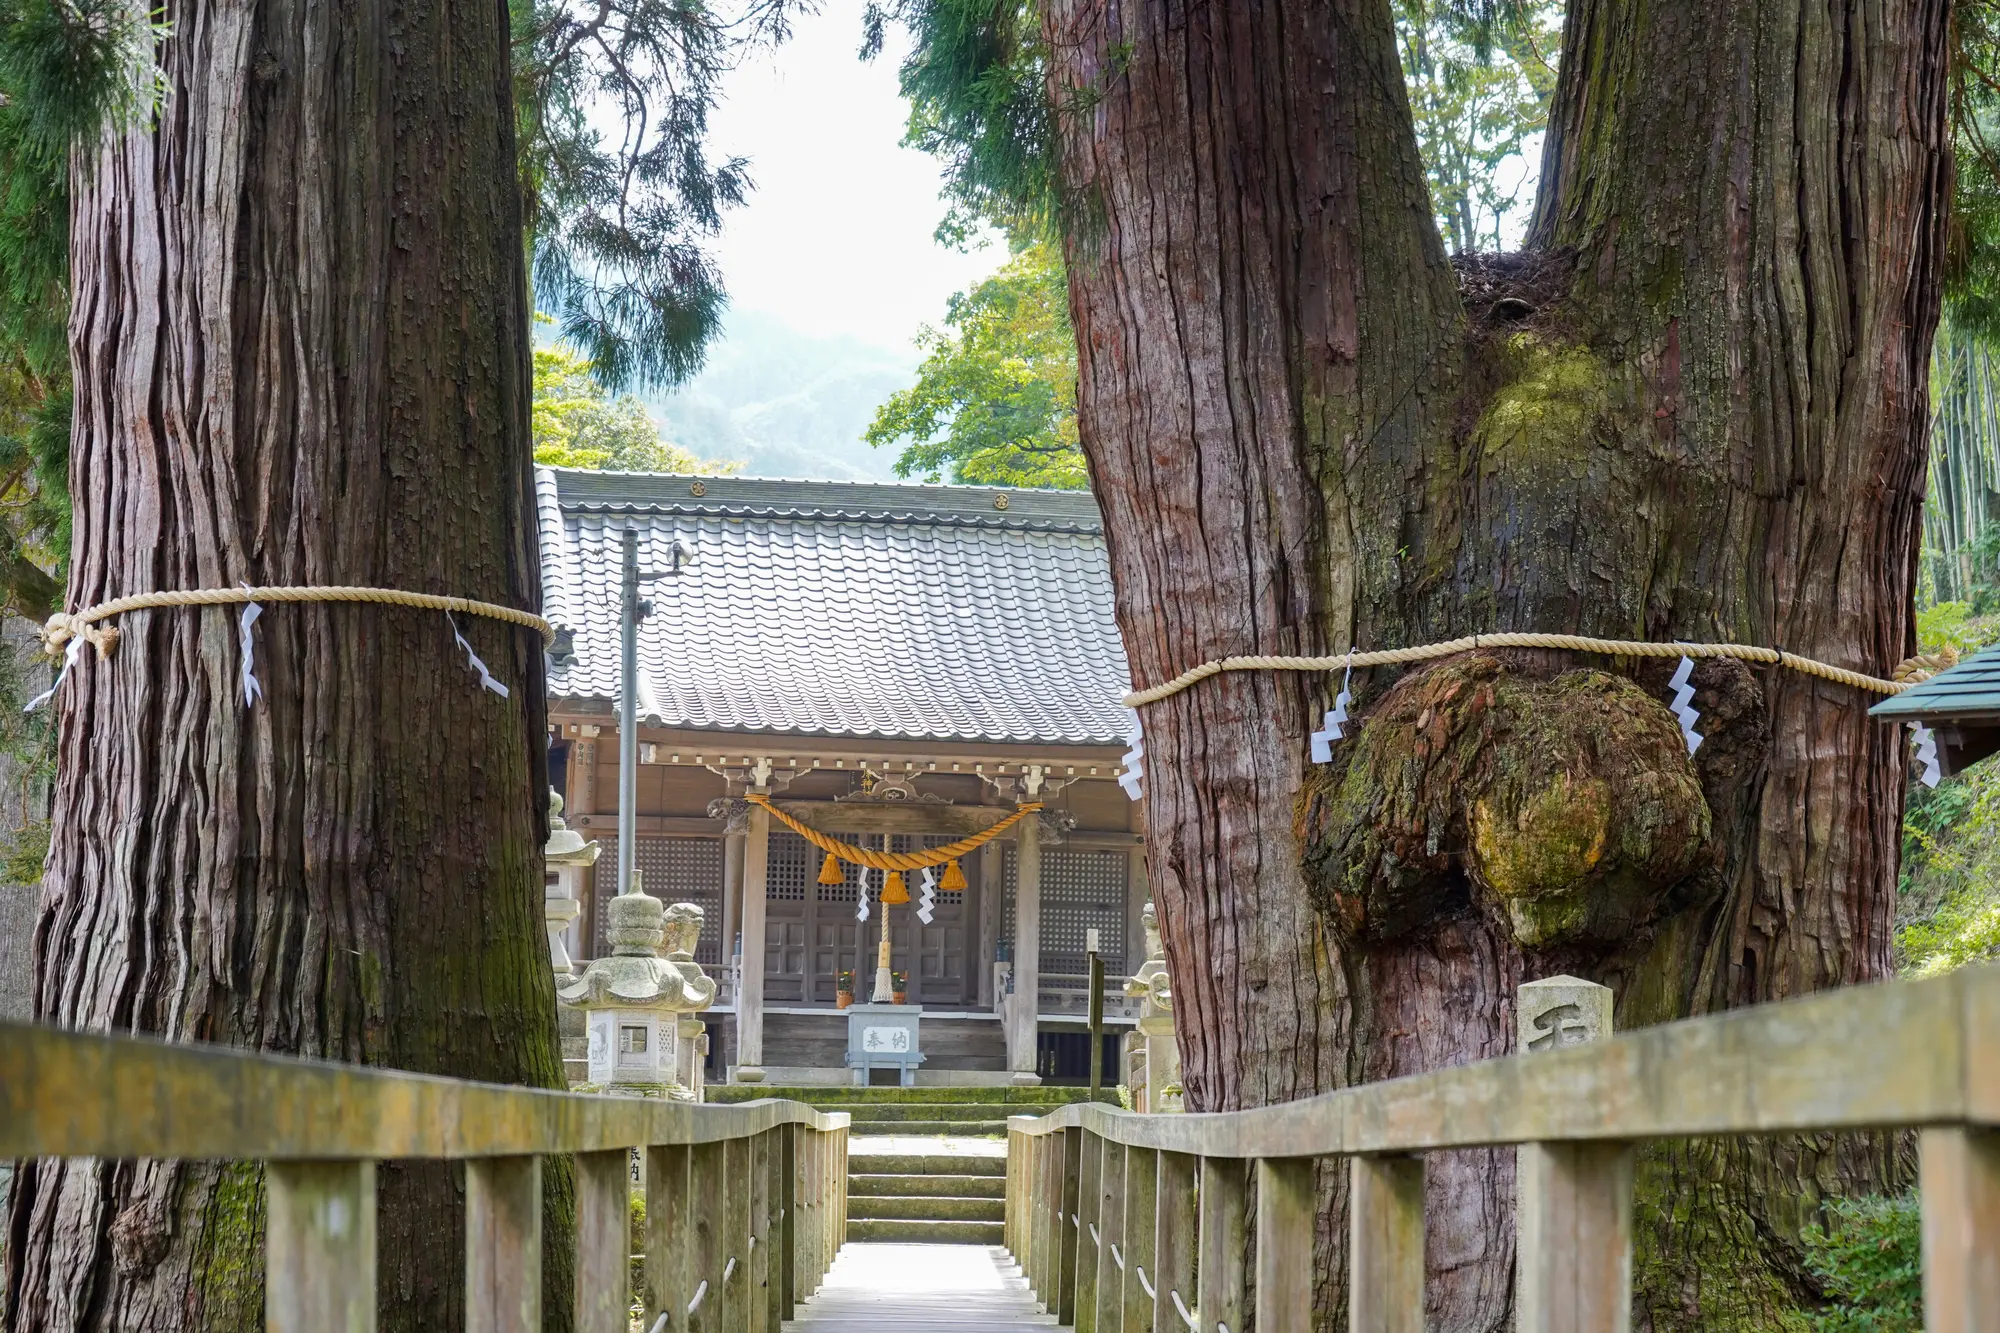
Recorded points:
(836, 239)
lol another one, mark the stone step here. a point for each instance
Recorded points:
(842, 1097)
(970, 1129)
(874, 1113)
(918, 1208)
(933, 1233)
(952, 1186)
(924, 1164)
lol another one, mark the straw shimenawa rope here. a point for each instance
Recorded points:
(1571, 642)
(930, 856)
(62, 627)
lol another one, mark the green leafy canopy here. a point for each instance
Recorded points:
(995, 399)
(618, 217)
(578, 424)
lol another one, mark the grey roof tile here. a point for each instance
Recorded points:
(843, 609)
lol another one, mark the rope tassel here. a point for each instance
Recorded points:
(830, 872)
(954, 878)
(894, 892)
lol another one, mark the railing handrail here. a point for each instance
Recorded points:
(65, 1093)
(1893, 1053)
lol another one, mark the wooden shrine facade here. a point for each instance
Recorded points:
(897, 666)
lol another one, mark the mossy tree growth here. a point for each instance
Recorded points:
(1694, 409)
(299, 331)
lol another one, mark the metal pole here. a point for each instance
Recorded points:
(628, 710)
(1096, 1020)
(631, 610)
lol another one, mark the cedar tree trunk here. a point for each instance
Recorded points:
(301, 354)
(1694, 409)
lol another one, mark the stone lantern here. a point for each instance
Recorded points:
(1154, 1068)
(565, 860)
(639, 1008)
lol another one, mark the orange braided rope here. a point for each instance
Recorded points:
(933, 856)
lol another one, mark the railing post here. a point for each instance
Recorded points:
(503, 1245)
(1111, 1271)
(603, 1241)
(785, 1262)
(1064, 1305)
(1142, 1180)
(1960, 1179)
(803, 1241)
(733, 1200)
(1573, 1232)
(1284, 1242)
(1090, 1200)
(319, 1247)
(1010, 1216)
(1173, 1242)
(757, 1283)
(707, 1172)
(1047, 1213)
(1031, 1228)
(1385, 1245)
(1224, 1244)
(839, 1192)
(670, 1235)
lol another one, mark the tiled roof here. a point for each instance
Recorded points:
(841, 608)
(1972, 688)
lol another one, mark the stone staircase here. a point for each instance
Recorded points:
(924, 1164)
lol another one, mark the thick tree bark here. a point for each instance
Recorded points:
(1693, 411)
(301, 355)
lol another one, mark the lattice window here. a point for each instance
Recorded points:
(674, 870)
(1080, 889)
(792, 864)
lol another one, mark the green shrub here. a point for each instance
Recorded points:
(1870, 1264)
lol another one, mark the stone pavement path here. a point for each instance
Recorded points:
(919, 1288)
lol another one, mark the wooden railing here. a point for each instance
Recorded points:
(746, 1205)
(1125, 1222)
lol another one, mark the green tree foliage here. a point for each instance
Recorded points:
(1480, 83)
(995, 399)
(578, 424)
(618, 217)
(1869, 1260)
(975, 79)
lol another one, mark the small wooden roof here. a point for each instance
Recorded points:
(1968, 692)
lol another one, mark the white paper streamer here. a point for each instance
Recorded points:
(472, 660)
(1331, 727)
(1927, 754)
(927, 895)
(861, 893)
(1683, 705)
(1134, 777)
(252, 691)
(69, 660)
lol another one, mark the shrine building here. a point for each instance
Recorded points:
(899, 666)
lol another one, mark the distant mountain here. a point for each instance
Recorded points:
(789, 404)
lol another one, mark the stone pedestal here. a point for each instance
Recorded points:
(638, 1006)
(566, 859)
(1561, 1011)
(1156, 1063)
(884, 1036)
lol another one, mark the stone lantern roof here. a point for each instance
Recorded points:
(635, 976)
(566, 846)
